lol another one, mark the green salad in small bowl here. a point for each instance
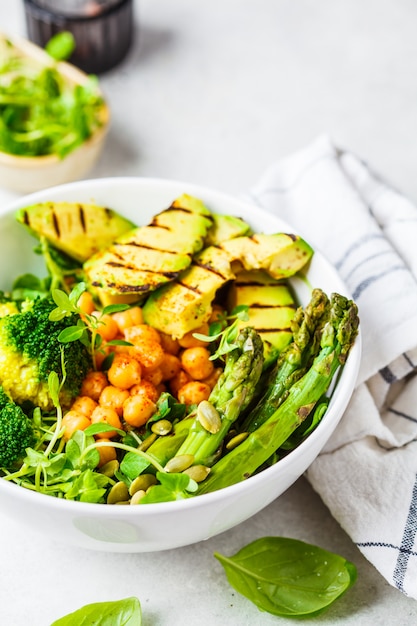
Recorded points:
(53, 117)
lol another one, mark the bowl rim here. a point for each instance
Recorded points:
(333, 415)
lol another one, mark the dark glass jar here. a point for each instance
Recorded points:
(102, 29)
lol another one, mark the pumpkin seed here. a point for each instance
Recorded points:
(209, 417)
(118, 493)
(197, 472)
(147, 442)
(142, 482)
(236, 440)
(179, 463)
(109, 468)
(161, 427)
(137, 496)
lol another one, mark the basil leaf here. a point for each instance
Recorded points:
(288, 577)
(126, 612)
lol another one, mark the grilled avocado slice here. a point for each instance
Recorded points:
(78, 229)
(186, 303)
(147, 257)
(280, 254)
(226, 227)
(271, 308)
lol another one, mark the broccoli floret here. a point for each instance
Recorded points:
(30, 350)
(16, 432)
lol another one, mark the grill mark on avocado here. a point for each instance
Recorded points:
(122, 288)
(272, 330)
(55, 223)
(145, 247)
(154, 224)
(189, 287)
(81, 214)
(210, 269)
(259, 305)
(26, 220)
(173, 208)
(126, 266)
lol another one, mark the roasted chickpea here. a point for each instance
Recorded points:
(147, 388)
(124, 372)
(128, 318)
(178, 381)
(149, 353)
(86, 303)
(213, 378)
(169, 344)
(107, 327)
(142, 332)
(153, 375)
(113, 397)
(138, 409)
(107, 453)
(93, 384)
(73, 421)
(194, 392)
(196, 362)
(189, 341)
(84, 405)
(106, 415)
(170, 366)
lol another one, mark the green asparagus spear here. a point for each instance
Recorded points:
(337, 338)
(293, 361)
(229, 397)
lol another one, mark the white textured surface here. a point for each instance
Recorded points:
(213, 93)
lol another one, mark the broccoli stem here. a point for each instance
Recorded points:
(337, 338)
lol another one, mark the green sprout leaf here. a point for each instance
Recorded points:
(171, 487)
(133, 465)
(61, 46)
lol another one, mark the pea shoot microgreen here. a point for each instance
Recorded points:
(224, 333)
(41, 112)
(87, 328)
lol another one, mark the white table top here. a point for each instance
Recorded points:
(212, 93)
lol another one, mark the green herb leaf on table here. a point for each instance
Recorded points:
(126, 612)
(288, 577)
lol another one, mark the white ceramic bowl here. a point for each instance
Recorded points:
(154, 527)
(28, 174)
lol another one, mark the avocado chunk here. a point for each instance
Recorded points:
(271, 308)
(186, 303)
(146, 257)
(77, 229)
(281, 255)
(226, 227)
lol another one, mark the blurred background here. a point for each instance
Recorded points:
(214, 92)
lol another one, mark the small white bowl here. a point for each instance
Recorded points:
(28, 174)
(153, 527)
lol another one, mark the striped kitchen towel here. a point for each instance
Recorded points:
(367, 473)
